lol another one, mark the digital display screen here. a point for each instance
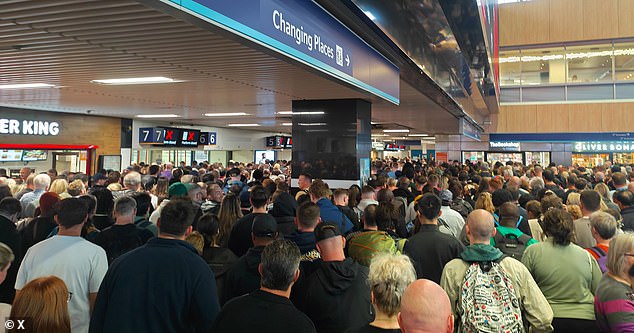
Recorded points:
(261, 156)
(34, 155)
(189, 138)
(8, 155)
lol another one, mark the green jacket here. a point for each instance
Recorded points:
(535, 308)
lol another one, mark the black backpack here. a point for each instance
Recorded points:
(511, 245)
(116, 246)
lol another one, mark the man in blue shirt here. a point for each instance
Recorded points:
(319, 194)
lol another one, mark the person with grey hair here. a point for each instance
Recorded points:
(279, 270)
(123, 236)
(389, 275)
(604, 228)
(131, 184)
(536, 184)
(613, 303)
(30, 201)
(6, 258)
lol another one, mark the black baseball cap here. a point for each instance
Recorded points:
(325, 230)
(264, 225)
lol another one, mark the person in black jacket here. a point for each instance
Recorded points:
(163, 286)
(279, 270)
(337, 296)
(10, 210)
(220, 259)
(625, 200)
(243, 277)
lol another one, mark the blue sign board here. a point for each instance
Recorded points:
(303, 30)
(207, 138)
(562, 137)
(469, 130)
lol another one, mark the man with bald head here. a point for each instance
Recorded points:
(425, 308)
(480, 227)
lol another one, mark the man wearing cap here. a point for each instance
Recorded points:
(234, 182)
(279, 270)
(176, 190)
(337, 296)
(243, 277)
(450, 222)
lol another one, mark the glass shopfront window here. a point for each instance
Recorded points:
(473, 156)
(510, 68)
(587, 64)
(590, 160)
(623, 158)
(624, 62)
(542, 158)
(504, 157)
(543, 66)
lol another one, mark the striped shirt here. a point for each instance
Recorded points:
(614, 306)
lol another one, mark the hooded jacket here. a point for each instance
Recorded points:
(535, 308)
(338, 297)
(243, 277)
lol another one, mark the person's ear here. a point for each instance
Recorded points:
(297, 273)
(400, 322)
(260, 268)
(343, 241)
(318, 247)
(440, 213)
(495, 231)
(467, 229)
(189, 230)
(450, 323)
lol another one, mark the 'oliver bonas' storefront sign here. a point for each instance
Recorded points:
(28, 127)
(591, 147)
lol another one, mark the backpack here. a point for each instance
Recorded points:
(462, 207)
(488, 301)
(602, 259)
(365, 245)
(511, 245)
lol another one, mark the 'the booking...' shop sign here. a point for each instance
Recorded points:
(504, 146)
(29, 127)
(612, 147)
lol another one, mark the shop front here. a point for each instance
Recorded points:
(50, 140)
(591, 154)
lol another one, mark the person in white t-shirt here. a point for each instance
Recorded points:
(79, 263)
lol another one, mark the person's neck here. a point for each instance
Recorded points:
(335, 256)
(620, 279)
(604, 242)
(367, 227)
(382, 320)
(586, 213)
(282, 293)
(168, 236)
(426, 221)
(305, 230)
(259, 210)
(124, 220)
(73, 231)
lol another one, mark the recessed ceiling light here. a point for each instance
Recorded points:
(137, 80)
(312, 124)
(243, 125)
(226, 114)
(301, 113)
(157, 116)
(26, 86)
(287, 124)
(369, 15)
(417, 134)
(396, 131)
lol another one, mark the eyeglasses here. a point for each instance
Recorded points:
(70, 296)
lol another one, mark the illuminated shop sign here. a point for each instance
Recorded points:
(504, 145)
(28, 127)
(586, 147)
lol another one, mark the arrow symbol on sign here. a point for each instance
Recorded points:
(347, 60)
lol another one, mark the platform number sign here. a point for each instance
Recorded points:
(213, 138)
(151, 135)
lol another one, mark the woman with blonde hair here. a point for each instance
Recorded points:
(60, 186)
(228, 214)
(6, 258)
(44, 301)
(606, 200)
(388, 277)
(485, 201)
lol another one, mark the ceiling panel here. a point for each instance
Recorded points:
(70, 43)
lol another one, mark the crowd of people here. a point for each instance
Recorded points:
(420, 247)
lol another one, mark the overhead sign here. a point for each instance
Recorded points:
(470, 130)
(306, 32)
(28, 127)
(393, 147)
(377, 145)
(279, 141)
(166, 136)
(612, 147)
(504, 146)
(563, 137)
